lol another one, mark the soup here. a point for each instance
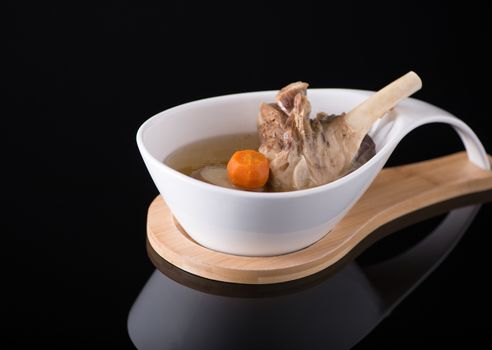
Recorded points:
(206, 160)
(212, 151)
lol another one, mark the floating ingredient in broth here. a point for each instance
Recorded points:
(248, 169)
(214, 174)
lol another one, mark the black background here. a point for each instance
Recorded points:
(81, 79)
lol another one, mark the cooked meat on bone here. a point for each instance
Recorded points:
(305, 152)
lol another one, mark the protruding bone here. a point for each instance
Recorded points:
(361, 118)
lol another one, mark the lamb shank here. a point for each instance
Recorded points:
(305, 152)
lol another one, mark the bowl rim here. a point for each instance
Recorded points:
(241, 193)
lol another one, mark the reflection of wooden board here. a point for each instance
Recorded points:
(395, 192)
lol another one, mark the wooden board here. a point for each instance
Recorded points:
(394, 193)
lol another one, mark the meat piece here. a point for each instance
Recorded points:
(285, 97)
(271, 127)
(305, 152)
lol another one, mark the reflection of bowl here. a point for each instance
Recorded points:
(252, 223)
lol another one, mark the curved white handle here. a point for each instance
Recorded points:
(405, 123)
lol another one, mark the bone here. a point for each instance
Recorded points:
(361, 118)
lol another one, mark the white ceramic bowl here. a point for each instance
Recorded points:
(258, 224)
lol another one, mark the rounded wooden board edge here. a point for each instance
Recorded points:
(215, 265)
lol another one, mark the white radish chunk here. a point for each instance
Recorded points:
(216, 175)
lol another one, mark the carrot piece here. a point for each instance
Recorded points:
(248, 169)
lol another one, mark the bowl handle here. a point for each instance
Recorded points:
(474, 148)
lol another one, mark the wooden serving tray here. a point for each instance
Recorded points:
(396, 192)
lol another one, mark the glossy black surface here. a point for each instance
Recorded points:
(81, 78)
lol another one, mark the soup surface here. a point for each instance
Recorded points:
(207, 159)
(212, 151)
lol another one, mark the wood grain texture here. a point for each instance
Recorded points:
(395, 192)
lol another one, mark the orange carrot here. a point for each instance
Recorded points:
(248, 169)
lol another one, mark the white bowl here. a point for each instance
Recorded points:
(259, 224)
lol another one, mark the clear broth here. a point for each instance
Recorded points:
(212, 151)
